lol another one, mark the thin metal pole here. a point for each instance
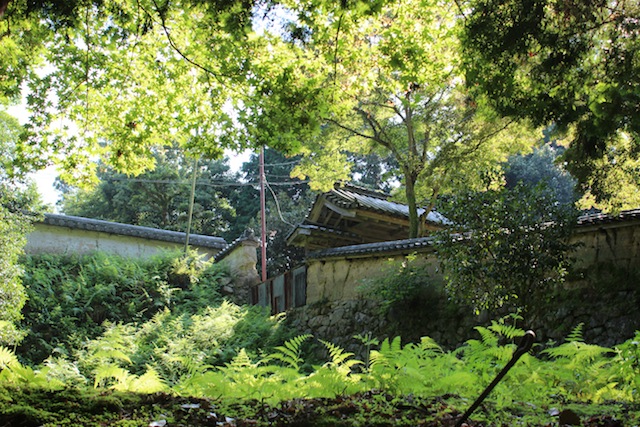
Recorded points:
(191, 201)
(524, 346)
(263, 219)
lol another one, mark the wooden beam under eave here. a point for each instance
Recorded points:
(383, 218)
(340, 211)
(373, 230)
(316, 209)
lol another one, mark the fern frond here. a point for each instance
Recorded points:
(378, 359)
(508, 331)
(149, 382)
(576, 334)
(577, 352)
(430, 347)
(7, 358)
(294, 343)
(192, 365)
(289, 353)
(103, 373)
(241, 361)
(339, 357)
(502, 353)
(396, 344)
(43, 379)
(488, 337)
(611, 392)
(472, 349)
(114, 354)
(458, 380)
(390, 346)
(210, 383)
(24, 375)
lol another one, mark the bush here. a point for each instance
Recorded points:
(13, 228)
(404, 285)
(512, 248)
(70, 296)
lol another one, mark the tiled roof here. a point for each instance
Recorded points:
(380, 247)
(306, 228)
(426, 242)
(602, 218)
(350, 197)
(79, 223)
(248, 235)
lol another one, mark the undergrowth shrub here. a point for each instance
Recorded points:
(404, 286)
(178, 346)
(571, 372)
(70, 296)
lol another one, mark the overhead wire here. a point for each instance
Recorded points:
(207, 183)
(230, 184)
(275, 199)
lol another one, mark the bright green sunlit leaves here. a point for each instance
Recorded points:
(116, 86)
(388, 83)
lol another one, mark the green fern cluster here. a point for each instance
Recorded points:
(71, 296)
(572, 371)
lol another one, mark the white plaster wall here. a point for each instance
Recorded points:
(54, 239)
(339, 279)
(619, 245)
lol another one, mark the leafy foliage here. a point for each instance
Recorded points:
(403, 285)
(512, 247)
(571, 372)
(17, 196)
(13, 230)
(289, 353)
(169, 88)
(382, 84)
(571, 64)
(70, 296)
(158, 198)
(541, 167)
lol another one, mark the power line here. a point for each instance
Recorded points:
(292, 162)
(206, 182)
(275, 199)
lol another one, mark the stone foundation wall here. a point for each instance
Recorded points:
(339, 321)
(608, 319)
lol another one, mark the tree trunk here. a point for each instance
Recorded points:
(410, 193)
(3, 6)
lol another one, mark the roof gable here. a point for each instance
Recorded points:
(351, 215)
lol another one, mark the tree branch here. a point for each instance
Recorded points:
(459, 6)
(469, 150)
(376, 135)
(173, 45)
(335, 52)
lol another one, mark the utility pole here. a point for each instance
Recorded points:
(191, 201)
(263, 218)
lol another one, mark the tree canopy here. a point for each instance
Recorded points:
(159, 198)
(346, 82)
(112, 79)
(430, 82)
(575, 64)
(540, 167)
